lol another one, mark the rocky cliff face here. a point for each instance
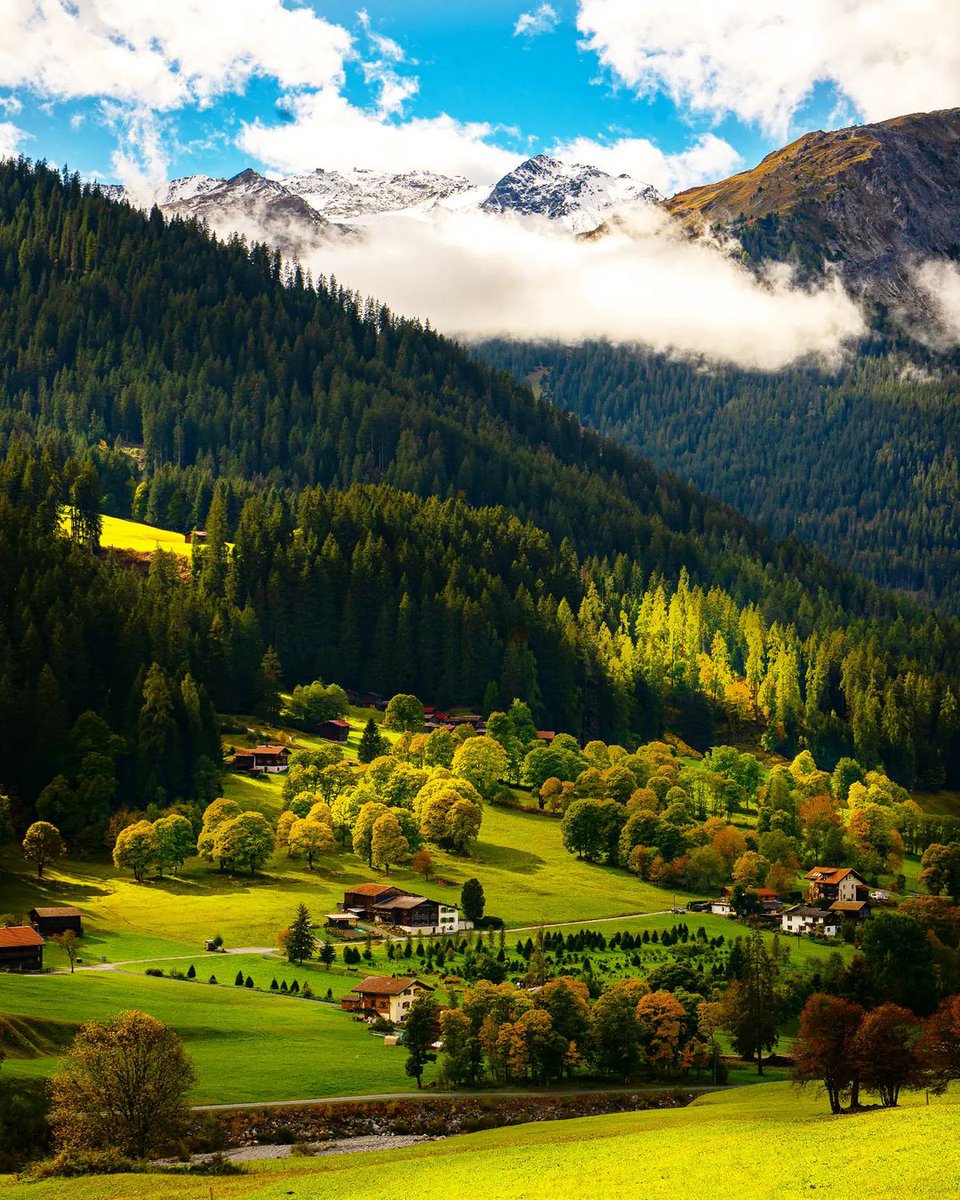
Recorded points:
(875, 200)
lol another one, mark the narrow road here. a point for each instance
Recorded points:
(475, 1094)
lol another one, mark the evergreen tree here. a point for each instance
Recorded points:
(301, 940)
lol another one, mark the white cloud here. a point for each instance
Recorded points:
(709, 158)
(475, 276)
(541, 20)
(141, 160)
(940, 280)
(760, 61)
(11, 139)
(165, 53)
(325, 129)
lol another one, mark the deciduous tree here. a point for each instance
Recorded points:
(42, 844)
(123, 1084)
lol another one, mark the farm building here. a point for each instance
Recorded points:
(56, 920)
(386, 996)
(801, 918)
(362, 898)
(828, 884)
(417, 914)
(342, 920)
(334, 730)
(270, 759)
(851, 910)
(21, 949)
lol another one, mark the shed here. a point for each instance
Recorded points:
(21, 949)
(334, 730)
(57, 920)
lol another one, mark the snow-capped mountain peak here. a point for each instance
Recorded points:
(580, 197)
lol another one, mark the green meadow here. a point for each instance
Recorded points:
(767, 1143)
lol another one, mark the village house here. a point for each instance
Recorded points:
(21, 948)
(334, 730)
(362, 898)
(827, 884)
(417, 914)
(262, 759)
(801, 918)
(48, 921)
(386, 996)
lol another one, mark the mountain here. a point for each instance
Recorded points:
(874, 201)
(359, 194)
(318, 205)
(404, 519)
(580, 197)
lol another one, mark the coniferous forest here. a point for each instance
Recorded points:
(858, 459)
(401, 517)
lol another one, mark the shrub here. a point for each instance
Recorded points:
(71, 1162)
(306, 992)
(212, 979)
(295, 988)
(274, 986)
(191, 972)
(156, 972)
(238, 982)
(249, 982)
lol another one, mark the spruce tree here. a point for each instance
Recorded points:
(301, 940)
(372, 744)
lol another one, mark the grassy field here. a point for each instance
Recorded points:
(761, 1144)
(314, 1049)
(131, 535)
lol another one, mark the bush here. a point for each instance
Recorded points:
(72, 1162)
(274, 986)
(249, 982)
(176, 973)
(191, 972)
(306, 992)
(212, 979)
(156, 972)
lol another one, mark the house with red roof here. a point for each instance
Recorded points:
(385, 996)
(21, 948)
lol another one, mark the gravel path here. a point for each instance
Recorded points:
(354, 1145)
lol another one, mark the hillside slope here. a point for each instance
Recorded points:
(875, 200)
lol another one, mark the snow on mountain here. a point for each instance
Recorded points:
(580, 197)
(358, 194)
(300, 212)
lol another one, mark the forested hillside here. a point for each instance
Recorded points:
(403, 518)
(859, 461)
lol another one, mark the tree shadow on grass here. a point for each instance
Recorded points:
(505, 858)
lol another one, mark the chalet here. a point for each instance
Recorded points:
(21, 949)
(262, 759)
(801, 918)
(386, 996)
(196, 537)
(828, 884)
(362, 898)
(475, 722)
(366, 699)
(721, 907)
(545, 735)
(47, 921)
(334, 730)
(417, 914)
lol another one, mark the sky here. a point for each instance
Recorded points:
(673, 92)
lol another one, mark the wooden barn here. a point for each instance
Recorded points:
(21, 949)
(334, 730)
(57, 920)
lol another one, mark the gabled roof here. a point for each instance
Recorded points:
(831, 875)
(406, 902)
(804, 910)
(370, 889)
(20, 935)
(65, 911)
(848, 906)
(387, 985)
(336, 721)
(269, 750)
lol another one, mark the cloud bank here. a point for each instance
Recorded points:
(761, 61)
(478, 276)
(941, 282)
(707, 159)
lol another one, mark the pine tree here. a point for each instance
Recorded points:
(301, 939)
(372, 744)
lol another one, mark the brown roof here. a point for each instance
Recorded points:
(387, 985)
(66, 911)
(804, 910)
(848, 906)
(265, 750)
(370, 889)
(406, 902)
(336, 721)
(830, 874)
(20, 935)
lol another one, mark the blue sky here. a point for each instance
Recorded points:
(672, 93)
